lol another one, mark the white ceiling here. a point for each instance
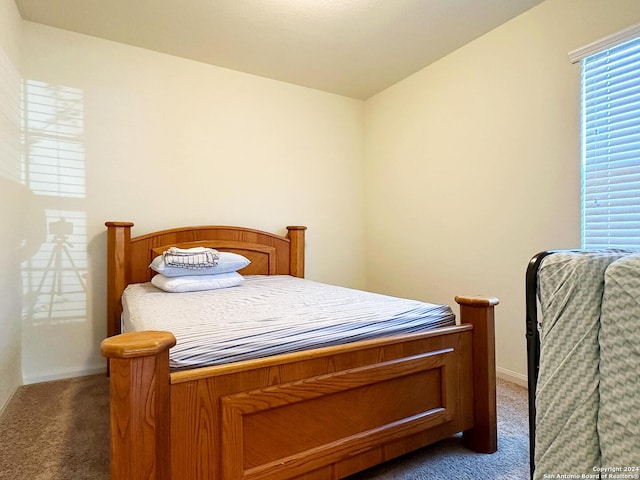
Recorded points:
(355, 48)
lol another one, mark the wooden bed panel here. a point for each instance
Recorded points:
(264, 258)
(279, 417)
(279, 422)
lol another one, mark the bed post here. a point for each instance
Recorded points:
(296, 252)
(118, 247)
(139, 404)
(478, 311)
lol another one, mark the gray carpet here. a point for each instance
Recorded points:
(59, 431)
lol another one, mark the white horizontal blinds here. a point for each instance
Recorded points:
(611, 147)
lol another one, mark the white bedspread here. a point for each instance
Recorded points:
(268, 315)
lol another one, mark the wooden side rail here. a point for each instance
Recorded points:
(479, 312)
(139, 404)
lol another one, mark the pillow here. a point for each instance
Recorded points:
(227, 262)
(196, 283)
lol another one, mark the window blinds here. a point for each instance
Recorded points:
(611, 147)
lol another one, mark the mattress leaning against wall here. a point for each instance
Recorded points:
(619, 414)
(570, 289)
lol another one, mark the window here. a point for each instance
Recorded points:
(610, 120)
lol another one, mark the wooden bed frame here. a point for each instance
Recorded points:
(314, 415)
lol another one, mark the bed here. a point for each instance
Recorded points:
(583, 353)
(322, 412)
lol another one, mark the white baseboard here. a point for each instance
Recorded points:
(63, 374)
(6, 403)
(513, 377)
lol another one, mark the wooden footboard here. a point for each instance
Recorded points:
(320, 414)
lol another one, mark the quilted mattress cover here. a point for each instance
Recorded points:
(570, 290)
(269, 315)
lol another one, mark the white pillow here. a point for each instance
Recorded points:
(195, 283)
(227, 262)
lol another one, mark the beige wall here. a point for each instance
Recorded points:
(473, 164)
(12, 194)
(10, 29)
(470, 167)
(167, 142)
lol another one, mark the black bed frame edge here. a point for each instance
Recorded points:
(533, 345)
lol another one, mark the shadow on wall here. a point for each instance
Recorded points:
(53, 168)
(43, 239)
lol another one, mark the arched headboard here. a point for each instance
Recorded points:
(128, 258)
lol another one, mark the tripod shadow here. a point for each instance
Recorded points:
(55, 282)
(61, 230)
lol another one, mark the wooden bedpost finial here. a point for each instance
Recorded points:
(477, 301)
(137, 344)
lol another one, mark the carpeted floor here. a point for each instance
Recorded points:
(59, 431)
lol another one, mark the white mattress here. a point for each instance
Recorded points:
(268, 315)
